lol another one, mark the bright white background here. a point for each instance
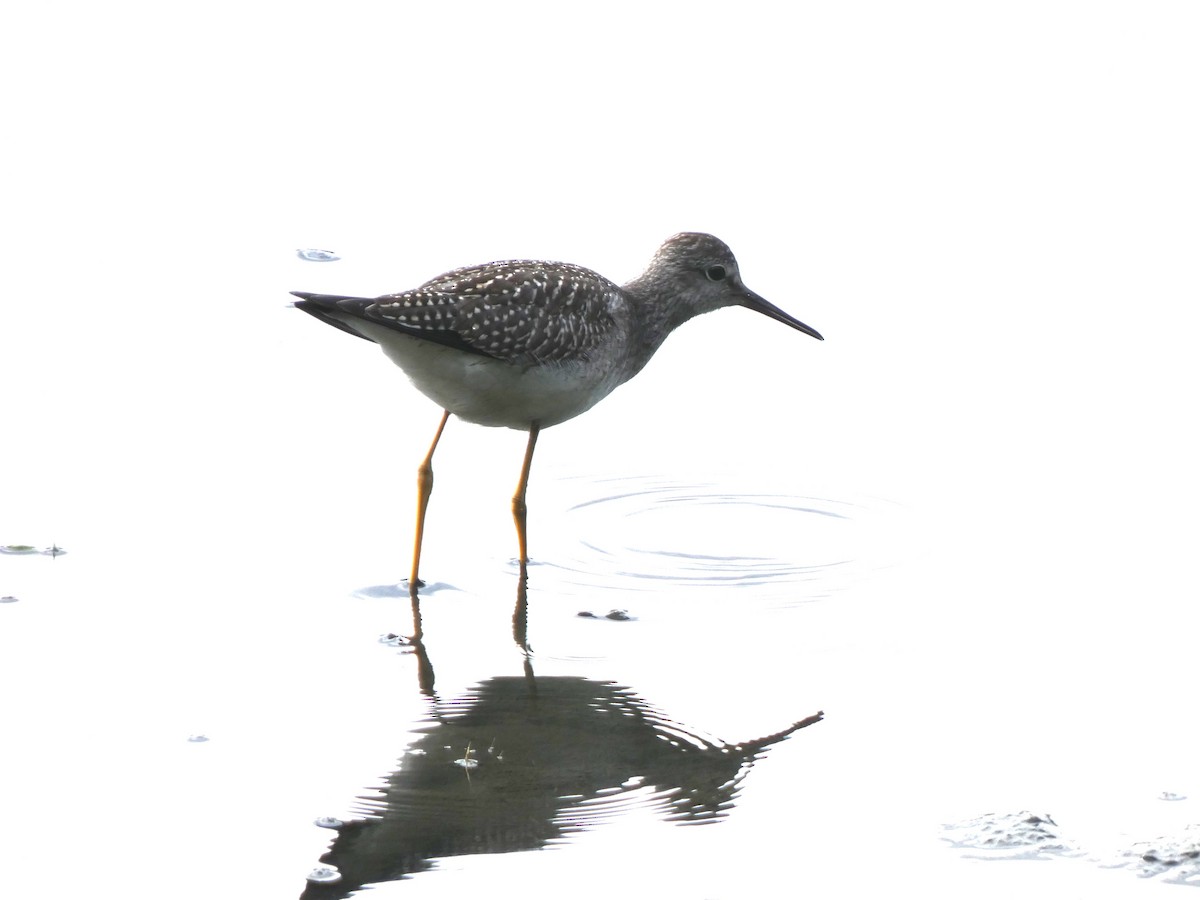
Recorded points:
(989, 209)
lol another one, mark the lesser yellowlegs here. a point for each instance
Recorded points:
(527, 344)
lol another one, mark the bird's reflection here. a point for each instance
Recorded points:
(521, 760)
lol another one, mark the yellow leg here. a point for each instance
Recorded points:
(424, 489)
(518, 501)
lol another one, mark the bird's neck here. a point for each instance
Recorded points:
(655, 314)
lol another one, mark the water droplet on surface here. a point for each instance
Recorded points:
(313, 255)
(325, 875)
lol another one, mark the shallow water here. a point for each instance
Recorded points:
(688, 642)
(971, 662)
(707, 614)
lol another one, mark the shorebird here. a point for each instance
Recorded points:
(527, 344)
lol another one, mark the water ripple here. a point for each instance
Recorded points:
(651, 534)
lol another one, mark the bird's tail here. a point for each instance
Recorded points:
(328, 308)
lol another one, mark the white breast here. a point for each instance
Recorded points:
(492, 392)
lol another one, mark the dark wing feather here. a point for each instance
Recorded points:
(328, 308)
(521, 310)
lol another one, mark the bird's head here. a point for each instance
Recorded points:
(703, 269)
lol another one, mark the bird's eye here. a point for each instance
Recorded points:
(715, 273)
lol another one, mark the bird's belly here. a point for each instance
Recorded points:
(489, 391)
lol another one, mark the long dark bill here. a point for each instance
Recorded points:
(758, 304)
